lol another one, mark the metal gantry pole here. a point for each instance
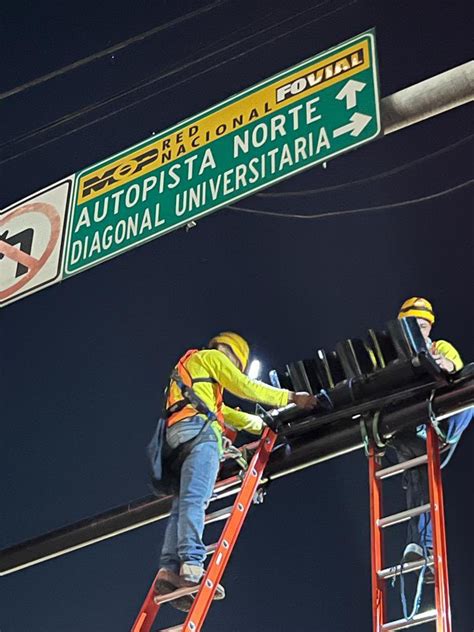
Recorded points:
(376, 542)
(428, 98)
(316, 445)
(442, 600)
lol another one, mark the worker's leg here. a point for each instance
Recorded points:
(169, 553)
(168, 577)
(452, 427)
(198, 477)
(415, 482)
(175, 436)
(458, 423)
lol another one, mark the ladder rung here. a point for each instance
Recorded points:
(210, 548)
(402, 516)
(233, 491)
(393, 470)
(176, 594)
(175, 628)
(227, 482)
(418, 619)
(409, 567)
(221, 514)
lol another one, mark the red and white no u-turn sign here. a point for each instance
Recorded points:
(31, 242)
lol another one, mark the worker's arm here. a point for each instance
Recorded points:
(242, 421)
(223, 371)
(446, 356)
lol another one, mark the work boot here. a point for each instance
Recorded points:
(191, 575)
(167, 581)
(413, 553)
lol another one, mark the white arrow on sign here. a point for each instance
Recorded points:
(349, 92)
(358, 123)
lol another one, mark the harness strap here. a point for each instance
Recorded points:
(182, 403)
(190, 398)
(182, 378)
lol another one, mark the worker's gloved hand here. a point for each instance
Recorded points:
(444, 363)
(273, 423)
(324, 401)
(303, 400)
(309, 402)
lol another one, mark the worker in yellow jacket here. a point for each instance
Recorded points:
(412, 443)
(443, 352)
(187, 447)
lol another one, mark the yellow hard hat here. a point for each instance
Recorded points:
(238, 345)
(418, 308)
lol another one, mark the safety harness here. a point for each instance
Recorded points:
(179, 410)
(176, 412)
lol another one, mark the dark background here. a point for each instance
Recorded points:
(84, 362)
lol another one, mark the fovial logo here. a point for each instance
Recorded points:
(320, 75)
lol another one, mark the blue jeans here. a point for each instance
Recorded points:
(183, 537)
(410, 445)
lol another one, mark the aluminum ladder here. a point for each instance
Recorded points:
(441, 614)
(246, 490)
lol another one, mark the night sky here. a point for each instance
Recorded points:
(84, 362)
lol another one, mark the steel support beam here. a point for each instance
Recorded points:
(428, 98)
(321, 441)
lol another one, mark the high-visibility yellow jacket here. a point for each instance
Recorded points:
(211, 363)
(445, 348)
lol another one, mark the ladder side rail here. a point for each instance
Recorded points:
(230, 533)
(376, 543)
(150, 607)
(148, 612)
(442, 599)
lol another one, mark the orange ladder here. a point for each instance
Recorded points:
(441, 614)
(235, 516)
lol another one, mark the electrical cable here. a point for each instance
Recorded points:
(418, 594)
(184, 65)
(377, 176)
(175, 69)
(367, 209)
(111, 49)
(182, 81)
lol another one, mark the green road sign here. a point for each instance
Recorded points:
(305, 115)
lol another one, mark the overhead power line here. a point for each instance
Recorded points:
(188, 62)
(112, 49)
(182, 81)
(381, 207)
(377, 176)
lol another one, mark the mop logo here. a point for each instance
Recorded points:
(120, 171)
(321, 75)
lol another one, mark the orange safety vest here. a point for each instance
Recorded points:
(178, 409)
